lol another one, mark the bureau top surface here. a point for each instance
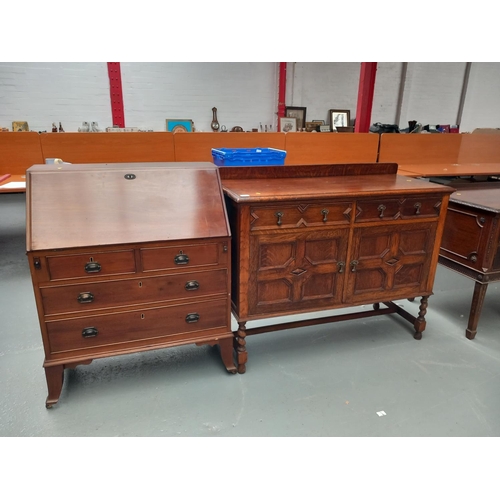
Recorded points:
(70, 205)
(485, 198)
(351, 186)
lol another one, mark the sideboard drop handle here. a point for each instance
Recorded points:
(325, 212)
(381, 209)
(341, 266)
(354, 263)
(417, 206)
(279, 215)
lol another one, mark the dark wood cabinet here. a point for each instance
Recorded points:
(127, 258)
(471, 242)
(326, 237)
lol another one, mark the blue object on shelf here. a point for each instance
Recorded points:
(235, 157)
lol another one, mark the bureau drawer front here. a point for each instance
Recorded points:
(180, 257)
(298, 215)
(120, 328)
(91, 264)
(98, 295)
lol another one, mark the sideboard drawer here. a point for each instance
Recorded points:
(401, 208)
(109, 329)
(94, 295)
(179, 257)
(376, 210)
(297, 215)
(414, 208)
(91, 264)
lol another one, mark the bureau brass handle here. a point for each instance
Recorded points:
(279, 215)
(354, 263)
(191, 285)
(417, 206)
(89, 332)
(192, 318)
(325, 212)
(341, 266)
(181, 259)
(85, 297)
(381, 209)
(92, 267)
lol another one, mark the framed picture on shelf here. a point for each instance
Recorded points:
(340, 118)
(288, 124)
(179, 125)
(319, 122)
(297, 112)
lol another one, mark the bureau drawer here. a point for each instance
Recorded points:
(180, 256)
(398, 208)
(91, 264)
(98, 295)
(297, 215)
(143, 324)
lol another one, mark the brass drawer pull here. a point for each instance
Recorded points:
(90, 332)
(381, 209)
(85, 297)
(279, 215)
(417, 207)
(191, 285)
(341, 266)
(92, 267)
(192, 318)
(325, 212)
(354, 263)
(181, 259)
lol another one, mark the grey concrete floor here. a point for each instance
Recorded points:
(324, 381)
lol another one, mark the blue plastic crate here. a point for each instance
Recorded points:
(235, 157)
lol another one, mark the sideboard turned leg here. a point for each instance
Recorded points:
(55, 379)
(420, 323)
(241, 350)
(475, 310)
(227, 354)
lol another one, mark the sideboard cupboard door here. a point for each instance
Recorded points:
(294, 270)
(390, 261)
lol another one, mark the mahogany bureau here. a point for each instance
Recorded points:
(126, 258)
(471, 242)
(311, 238)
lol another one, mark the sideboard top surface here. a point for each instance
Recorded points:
(322, 183)
(70, 205)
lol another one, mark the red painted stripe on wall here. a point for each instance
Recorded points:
(115, 88)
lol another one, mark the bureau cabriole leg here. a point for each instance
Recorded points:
(227, 354)
(241, 351)
(420, 323)
(55, 378)
(475, 310)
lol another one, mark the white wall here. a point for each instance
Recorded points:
(42, 93)
(245, 93)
